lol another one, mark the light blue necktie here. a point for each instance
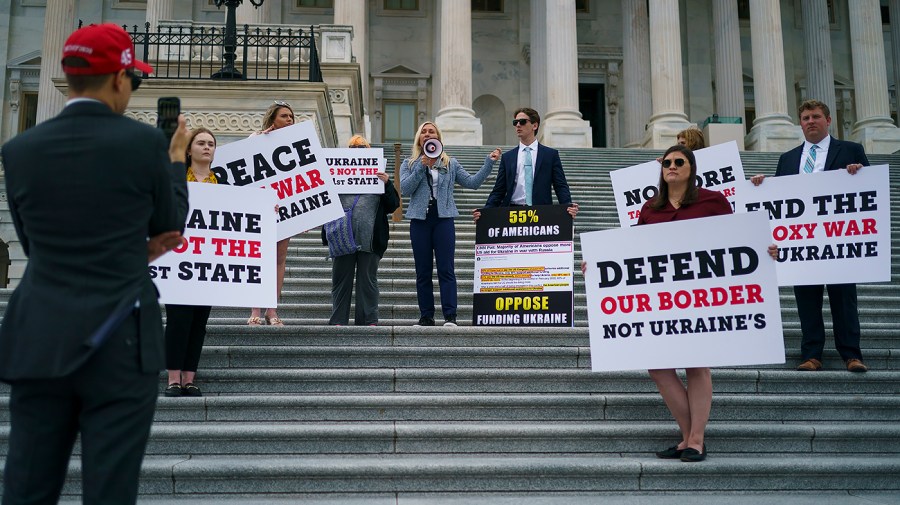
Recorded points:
(810, 160)
(529, 175)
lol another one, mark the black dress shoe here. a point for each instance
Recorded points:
(671, 453)
(691, 455)
(191, 390)
(173, 389)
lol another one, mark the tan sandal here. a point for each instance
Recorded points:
(274, 321)
(254, 321)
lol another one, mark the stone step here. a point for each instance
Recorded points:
(562, 438)
(168, 476)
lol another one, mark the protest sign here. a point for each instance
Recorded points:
(718, 169)
(693, 293)
(523, 267)
(830, 227)
(290, 161)
(227, 256)
(354, 169)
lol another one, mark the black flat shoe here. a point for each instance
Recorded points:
(191, 390)
(671, 453)
(173, 389)
(691, 455)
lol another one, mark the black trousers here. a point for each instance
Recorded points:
(109, 401)
(185, 331)
(844, 317)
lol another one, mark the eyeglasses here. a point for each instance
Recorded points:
(361, 146)
(679, 162)
(520, 122)
(282, 103)
(135, 79)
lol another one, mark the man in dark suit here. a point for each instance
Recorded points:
(81, 341)
(818, 153)
(528, 172)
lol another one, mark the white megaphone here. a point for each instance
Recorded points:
(433, 148)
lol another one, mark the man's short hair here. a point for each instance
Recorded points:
(80, 83)
(813, 105)
(532, 114)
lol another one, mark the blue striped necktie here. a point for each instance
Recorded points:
(810, 160)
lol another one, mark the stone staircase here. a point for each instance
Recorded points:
(397, 414)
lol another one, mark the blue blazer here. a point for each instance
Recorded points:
(414, 184)
(548, 173)
(840, 154)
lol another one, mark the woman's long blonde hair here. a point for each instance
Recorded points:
(417, 148)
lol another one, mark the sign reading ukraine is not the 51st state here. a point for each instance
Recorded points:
(684, 294)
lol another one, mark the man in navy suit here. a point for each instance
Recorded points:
(818, 153)
(546, 172)
(81, 342)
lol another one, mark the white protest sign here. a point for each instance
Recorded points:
(830, 227)
(227, 257)
(718, 169)
(693, 293)
(290, 161)
(354, 169)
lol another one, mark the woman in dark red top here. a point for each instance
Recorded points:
(678, 199)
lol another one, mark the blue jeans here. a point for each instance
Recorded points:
(438, 235)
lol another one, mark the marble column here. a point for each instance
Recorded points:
(562, 125)
(455, 116)
(636, 106)
(729, 71)
(158, 10)
(874, 128)
(772, 130)
(817, 45)
(538, 58)
(354, 13)
(895, 49)
(58, 25)
(666, 84)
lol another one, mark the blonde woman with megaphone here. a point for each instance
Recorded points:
(428, 178)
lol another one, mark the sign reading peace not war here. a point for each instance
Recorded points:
(354, 170)
(227, 255)
(290, 161)
(524, 260)
(694, 293)
(719, 168)
(830, 227)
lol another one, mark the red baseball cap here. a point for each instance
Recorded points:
(107, 48)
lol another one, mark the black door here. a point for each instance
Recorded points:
(591, 104)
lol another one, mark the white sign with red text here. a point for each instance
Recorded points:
(719, 168)
(291, 162)
(354, 169)
(227, 257)
(684, 294)
(830, 227)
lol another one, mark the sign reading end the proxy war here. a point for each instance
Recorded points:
(719, 168)
(830, 227)
(684, 294)
(290, 162)
(227, 255)
(355, 170)
(523, 267)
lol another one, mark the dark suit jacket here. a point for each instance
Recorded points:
(840, 154)
(547, 173)
(85, 190)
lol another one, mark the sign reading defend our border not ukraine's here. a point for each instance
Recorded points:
(684, 294)
(291, 162)
(830, 227)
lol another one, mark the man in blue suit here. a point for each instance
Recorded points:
(531, 165)
(818, 153)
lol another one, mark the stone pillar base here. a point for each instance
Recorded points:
(460, 130)
(663, 134)
(773, 136)
(882, 139)
(565, 132)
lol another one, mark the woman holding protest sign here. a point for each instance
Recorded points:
(278, 115)
(186, 324)
(369, 222)
(428, 177)
(678, 199)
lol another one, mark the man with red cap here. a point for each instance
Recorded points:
(94, 196)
